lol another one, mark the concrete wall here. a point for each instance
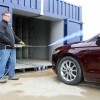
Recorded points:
(56, 33)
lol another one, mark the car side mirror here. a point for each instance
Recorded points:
(98, 41)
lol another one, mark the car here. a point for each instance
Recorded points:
(77, 61)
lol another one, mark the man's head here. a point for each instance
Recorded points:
(6, 16)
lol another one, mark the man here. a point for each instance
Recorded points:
(7, 50)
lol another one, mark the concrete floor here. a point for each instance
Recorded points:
(44, 85)
(31, 63)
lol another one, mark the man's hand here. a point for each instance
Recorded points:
(10, 46)
(22, 43)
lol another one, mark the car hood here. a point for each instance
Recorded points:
(81, 44)
(75, 45)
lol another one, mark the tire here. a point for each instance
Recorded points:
(69, 71)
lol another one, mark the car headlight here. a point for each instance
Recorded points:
(56, 51)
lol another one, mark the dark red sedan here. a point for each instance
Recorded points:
(74, 62)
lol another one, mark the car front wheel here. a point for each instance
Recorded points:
(69, 70)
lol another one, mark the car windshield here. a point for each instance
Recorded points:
(93, 38)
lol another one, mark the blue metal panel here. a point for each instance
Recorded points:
(21, 2)
(65, 8)
(27, 3)
(15, 2)
(81, 28)
(36, 4)
(7, 1)
(77, 13)
(51, 8)
(71, 12)
(71, 27)
(1, 1)
(74, 12)
(32, 3)
(39, 5)
(47, 6)
(68, 10)
(65, 29)
(80, 13)
(55, 7)
(60, 8)
(11, 13)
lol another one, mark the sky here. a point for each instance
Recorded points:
(90, 16)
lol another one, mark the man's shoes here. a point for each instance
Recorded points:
(2, 80)
(13, 78)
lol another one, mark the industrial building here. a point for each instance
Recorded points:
(40, 23)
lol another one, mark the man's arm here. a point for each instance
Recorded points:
(17, 39)
(3, 37)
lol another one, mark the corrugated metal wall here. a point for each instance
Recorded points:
(26, 5)
(52, 8)
(62, 10)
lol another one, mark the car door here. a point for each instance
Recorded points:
(94, 61)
